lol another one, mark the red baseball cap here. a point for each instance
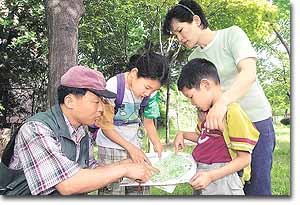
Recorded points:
(84, 77)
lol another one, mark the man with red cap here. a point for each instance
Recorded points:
(52, 153)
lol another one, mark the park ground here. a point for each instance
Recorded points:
(281, 175)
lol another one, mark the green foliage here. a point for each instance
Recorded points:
(24, 45)
(1, 107)
(111, 31)
(253, 16)
(274, 62)
(23, 50)
(182, 114)
(275, 79)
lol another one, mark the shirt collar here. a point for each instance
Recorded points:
(73, 131)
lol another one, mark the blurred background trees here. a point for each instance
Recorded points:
(104, 34)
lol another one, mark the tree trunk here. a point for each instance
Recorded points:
(173, 58)
(282, 41)
(63, 18)
(167, 140)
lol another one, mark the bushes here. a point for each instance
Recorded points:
(285, 121)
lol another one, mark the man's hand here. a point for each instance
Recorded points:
(125, 161)
(140, 172)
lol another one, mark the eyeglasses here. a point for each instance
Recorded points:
(105, 100)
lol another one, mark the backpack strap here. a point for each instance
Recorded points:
(144, 103)
(120, 97)
(9, 149)
(120, 91)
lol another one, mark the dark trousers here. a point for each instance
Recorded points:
(261, 162)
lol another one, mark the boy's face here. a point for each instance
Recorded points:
(142, 87)
(200, 97)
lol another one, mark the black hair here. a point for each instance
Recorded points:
(63, 91)
(183, 14)
(150, 65)
(132, 61)
(196, 70)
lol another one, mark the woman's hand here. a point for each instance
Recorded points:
(215, 116)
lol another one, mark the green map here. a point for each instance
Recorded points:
(172, 167)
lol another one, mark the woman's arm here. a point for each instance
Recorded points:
(244, 80)
(241, 85)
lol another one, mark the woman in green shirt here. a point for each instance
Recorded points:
(235, 59)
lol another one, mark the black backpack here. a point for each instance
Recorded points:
(12, 182)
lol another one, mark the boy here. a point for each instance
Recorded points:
(147, 73)
(219, 156)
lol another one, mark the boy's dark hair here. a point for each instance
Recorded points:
(183, 14)
(63, 91)
(196, 70)
(150, 65)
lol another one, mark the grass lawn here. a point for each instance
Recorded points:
(281, 179)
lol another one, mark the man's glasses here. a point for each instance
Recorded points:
(105, 101)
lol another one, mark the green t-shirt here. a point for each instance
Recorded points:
(152, 109)
(228, 48)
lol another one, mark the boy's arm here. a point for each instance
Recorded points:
(153, 135)
(203, 179)
(192, 136)
(179, 139)
(135, 153)
(240, 162)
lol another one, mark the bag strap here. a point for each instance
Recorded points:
(144, 103)
(120, 91)
(120, 95)
(9, 149)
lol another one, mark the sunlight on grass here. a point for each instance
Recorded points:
(282, 133)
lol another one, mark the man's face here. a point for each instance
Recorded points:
(87, 108)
